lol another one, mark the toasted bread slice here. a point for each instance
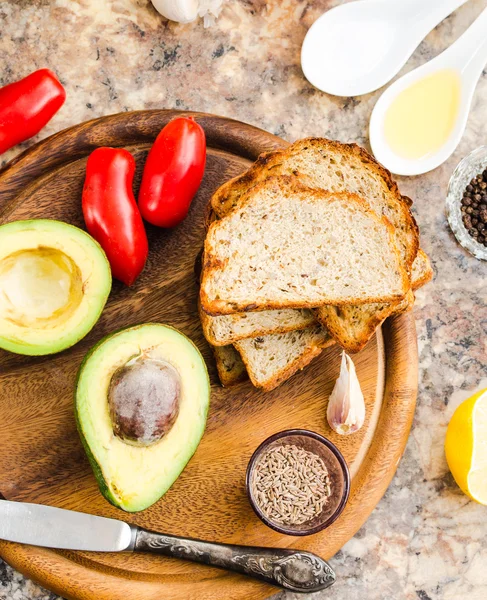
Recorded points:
(422, 270)
(336, 167)
(272, 359)
(227, 329)
(230, 367)
(254, 258)
(365, 318)
(406, 305)
(353, 326)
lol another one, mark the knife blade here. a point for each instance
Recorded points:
(39, 525)
(52, 527)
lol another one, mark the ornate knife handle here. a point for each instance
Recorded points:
(293, 570)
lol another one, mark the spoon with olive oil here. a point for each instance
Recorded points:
(419, 120)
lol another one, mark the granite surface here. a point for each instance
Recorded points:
(425, 540)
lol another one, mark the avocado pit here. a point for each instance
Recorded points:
(143, 399)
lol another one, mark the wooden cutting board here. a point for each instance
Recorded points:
(41, 458)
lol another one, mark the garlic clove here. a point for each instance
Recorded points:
(346, 406)
(210, 11)
(181, 11)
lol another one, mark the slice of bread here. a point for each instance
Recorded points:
(405, 305)
(272, 359)
(230, 367)
(227, 329)
(353, 326)
(422, 270)
(290, 246)
(336, 167)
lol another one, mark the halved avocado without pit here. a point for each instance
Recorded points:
(54, 283)
(141, 405)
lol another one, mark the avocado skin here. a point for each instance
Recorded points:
(91, 459)
(96, 467)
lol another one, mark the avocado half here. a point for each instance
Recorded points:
(133, 477)
(54, 283)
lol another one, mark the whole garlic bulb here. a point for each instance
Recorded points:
(182, 11)
(346, 406)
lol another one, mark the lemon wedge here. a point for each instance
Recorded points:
(466, 446)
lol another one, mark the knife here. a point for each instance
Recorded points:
(52, 527)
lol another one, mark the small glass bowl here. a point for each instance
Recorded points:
(473, 164)
(337, 471)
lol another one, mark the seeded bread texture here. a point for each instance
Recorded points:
(287, 245)
(229, 364)
(227, 329)
(272, 359)
(335, 167)
(353, 326)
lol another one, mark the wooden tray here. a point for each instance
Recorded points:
(41, 458)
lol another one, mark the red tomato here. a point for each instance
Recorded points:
(111, 213)
(26, 106)
(173, 172)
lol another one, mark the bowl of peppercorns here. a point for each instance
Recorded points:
(466, 203)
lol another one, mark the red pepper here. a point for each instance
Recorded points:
(26, 106)
(111, 213)
(173, 172)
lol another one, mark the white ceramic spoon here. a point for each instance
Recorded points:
(358, 47)
(467, 56)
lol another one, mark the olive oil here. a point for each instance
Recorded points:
(422, 117)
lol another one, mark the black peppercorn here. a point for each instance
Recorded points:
(473, 208)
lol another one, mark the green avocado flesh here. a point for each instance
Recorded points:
(132, 474)
(54, 282)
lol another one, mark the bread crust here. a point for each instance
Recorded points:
(426, 271)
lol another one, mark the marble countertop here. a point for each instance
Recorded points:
(425, 540)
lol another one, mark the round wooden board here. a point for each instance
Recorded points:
(41, 458)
